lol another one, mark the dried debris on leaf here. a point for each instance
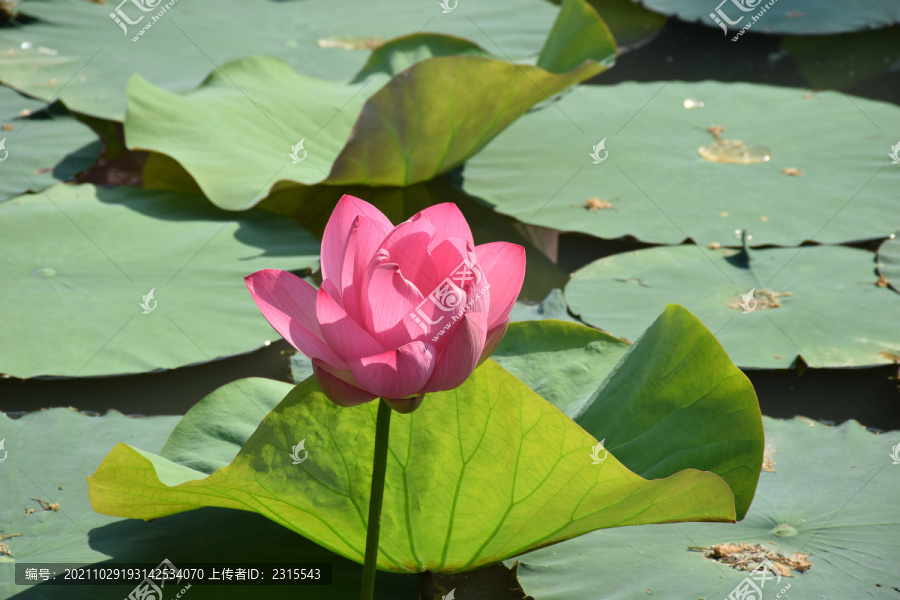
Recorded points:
(749, 557)
(595, 204)
(47, 505)
(4, 549)
(768, 464)
(351, 43)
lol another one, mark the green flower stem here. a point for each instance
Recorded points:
(426, 585)
(382, 429)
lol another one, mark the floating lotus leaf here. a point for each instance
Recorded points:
(129, 280)
(827, 184)
(821, 303)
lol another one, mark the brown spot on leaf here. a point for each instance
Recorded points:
(882, 281)
(792, 172)
(768, 463)
(6, 127)
(595, 204)
(748, 557)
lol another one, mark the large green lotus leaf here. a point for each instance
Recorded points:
(40, 145)
(80, 259)
(835, 486)
(796, 17)
(51, 452)
(424, 121)
(889, 261)
(75, 52)
(514, 474)
(834, 316)
(683, 377)
(660, 190)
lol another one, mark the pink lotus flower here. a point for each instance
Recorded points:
(402, 311)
